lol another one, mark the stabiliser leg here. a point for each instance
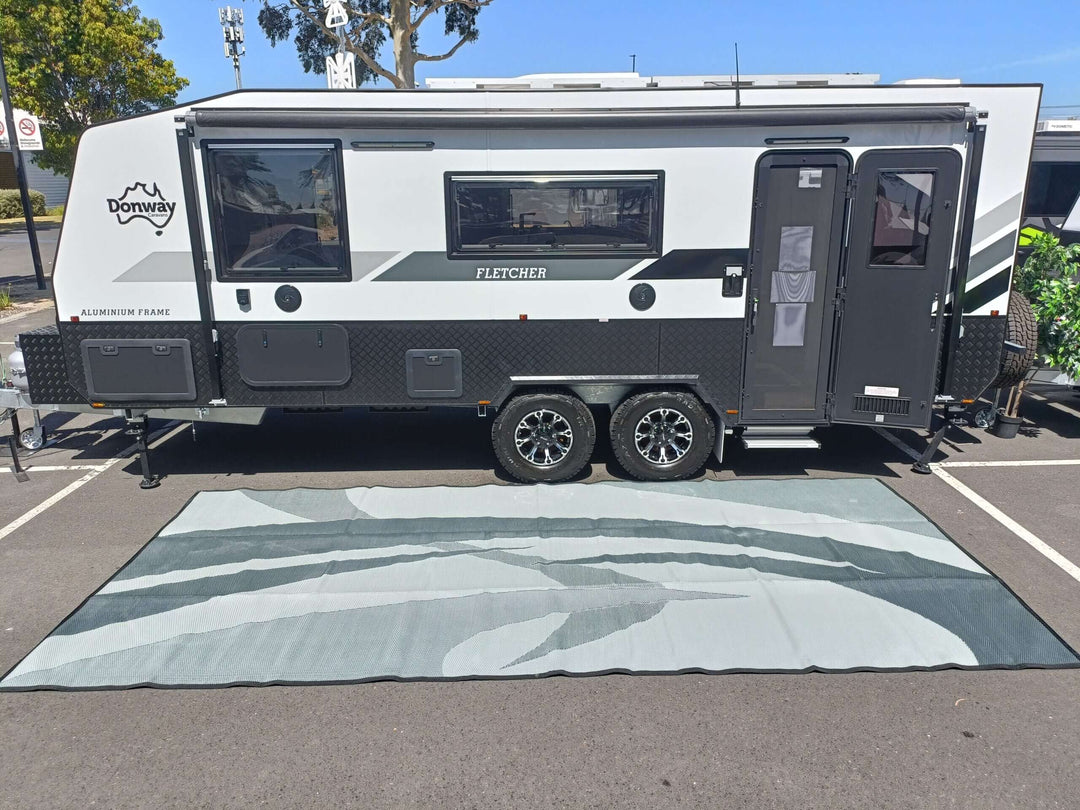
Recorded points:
(922, 465)
(139, 427)
(13, 445)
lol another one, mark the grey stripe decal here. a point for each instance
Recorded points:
(993, 221)
(432, 265)
(990, 257)
(161, 266)
(993, 287)
(698, 263)
(365, 262)
(177, 266)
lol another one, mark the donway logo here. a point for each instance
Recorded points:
(139, 202)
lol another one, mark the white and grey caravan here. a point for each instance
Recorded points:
(699, 263)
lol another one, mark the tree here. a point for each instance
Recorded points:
(75, 63)
(371, 24)
(1051, 279)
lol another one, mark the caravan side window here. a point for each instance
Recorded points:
(902, 218)
(566, 214)
(277, 211)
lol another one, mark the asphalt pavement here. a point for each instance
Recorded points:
(17, 266)
(941, 739)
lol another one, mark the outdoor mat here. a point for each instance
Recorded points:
(319, 586)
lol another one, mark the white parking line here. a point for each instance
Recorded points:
(162, 434)
(1049, 462)
(1052, 554)
(60, 467)
(1061, 406)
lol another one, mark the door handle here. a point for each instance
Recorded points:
(753, 313)
(934, 312)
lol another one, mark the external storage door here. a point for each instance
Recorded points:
(799, 220)
(897, 271)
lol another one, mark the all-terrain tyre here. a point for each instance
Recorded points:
(662, 435)
(1022, 328)
(544, 437)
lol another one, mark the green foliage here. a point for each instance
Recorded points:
(56, 211)
(371, 24)
(11, 203)
(75, 63)
(1051, 279)
(5, 298)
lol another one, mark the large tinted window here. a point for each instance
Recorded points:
(1052, 189)
(594, 214)
(902, 218)
(277, 210)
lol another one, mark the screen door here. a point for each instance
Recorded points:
(799, 218)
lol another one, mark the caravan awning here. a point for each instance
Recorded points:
(805, 116)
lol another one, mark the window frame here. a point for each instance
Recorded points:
(873, 220)
(226, 274)
(455, 251)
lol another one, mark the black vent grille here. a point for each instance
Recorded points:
(893, 406)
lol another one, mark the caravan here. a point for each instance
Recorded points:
(668, 265)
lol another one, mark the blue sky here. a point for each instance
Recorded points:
(988, 41)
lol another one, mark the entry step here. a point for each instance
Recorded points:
(779, 437)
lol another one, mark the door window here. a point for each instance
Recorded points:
(277, 211)
(902, 218)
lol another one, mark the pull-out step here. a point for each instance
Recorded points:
(779, 437)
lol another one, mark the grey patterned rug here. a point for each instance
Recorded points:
(318, 586)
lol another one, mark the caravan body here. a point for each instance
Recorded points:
(788, 260)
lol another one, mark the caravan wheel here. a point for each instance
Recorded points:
(662, 435)
(544, 437)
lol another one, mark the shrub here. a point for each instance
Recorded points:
(1051, 278)
(11, 203)
(56, 211)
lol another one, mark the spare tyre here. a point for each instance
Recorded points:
(1022, 328)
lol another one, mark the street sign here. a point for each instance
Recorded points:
(29, 132)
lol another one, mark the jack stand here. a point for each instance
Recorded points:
(13, 445)
(922, 466)
(139, 427)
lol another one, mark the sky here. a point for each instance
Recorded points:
(989, 41)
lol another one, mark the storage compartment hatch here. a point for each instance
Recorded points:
(139, 369)
(433, 373)
(277, 355)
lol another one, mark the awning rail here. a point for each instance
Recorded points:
(542, 118)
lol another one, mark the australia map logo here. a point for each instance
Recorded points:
(140, 202)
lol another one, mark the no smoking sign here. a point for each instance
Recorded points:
(28, 128)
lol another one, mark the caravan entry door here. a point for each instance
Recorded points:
(799, 201)
(894, 286)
